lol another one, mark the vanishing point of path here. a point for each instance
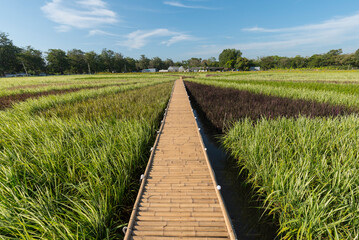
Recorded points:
(178, 197)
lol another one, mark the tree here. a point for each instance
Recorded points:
(77, 61)
(92, 62)
(57, 61)
(242, 64)
(331, 57)
(130, 65)
(9, 61)
(194, 62)
(168, 63)
(107, 60)
(228, 55)
(268, 62)
(32, 60)
(119, 62)
(156, 62)
(356, 58)
(143, 63)
(212, 62)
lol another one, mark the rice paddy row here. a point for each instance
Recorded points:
(303, 167)
(70, 163)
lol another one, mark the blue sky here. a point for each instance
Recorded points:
(180, 29)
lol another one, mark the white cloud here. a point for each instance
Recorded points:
(140, 38)
(181, 5)
(100, 32)
(334, 31)
(339, 32)
(81, 14)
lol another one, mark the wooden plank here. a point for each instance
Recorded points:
(178, 198)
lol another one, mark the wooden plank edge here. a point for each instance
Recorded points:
(143, 183)
(227, 219)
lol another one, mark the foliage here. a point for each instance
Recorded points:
(228, 55)
(306, 171)
(8, 55)
(319, 95)
(72, 176)
(223, 106)
(32, 60)
(57, 60)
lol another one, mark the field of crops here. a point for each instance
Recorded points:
(295, 135)
(71, 151)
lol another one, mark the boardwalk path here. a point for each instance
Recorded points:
(178, 198)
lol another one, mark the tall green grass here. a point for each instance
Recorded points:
(347, 88)
(75, 176)
(306, 170)
(289, 75)
(12, 86)
(33, 106)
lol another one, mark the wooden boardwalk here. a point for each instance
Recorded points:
(178, 197)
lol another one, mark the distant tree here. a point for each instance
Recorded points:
(230, 63)
(194, 62)
(143, 62)
(356, 58)
(92, 62)
(77, 61)
(32, 60)
(227, 56)
(130, 65)
(156, 62)
(315, 61)
(168, 63)
(299, 62)
(269, 62)
(57, 61)
(9, 61)
(242, 63)
(212, 62)
(119, 63)
(331, 58)
(107, 62)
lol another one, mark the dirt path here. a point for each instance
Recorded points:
(178, 197)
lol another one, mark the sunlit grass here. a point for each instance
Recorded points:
(306, 170)
(73, 174)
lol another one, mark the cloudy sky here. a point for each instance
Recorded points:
(180, 29)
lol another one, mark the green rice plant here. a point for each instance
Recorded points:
(69, 180)
(75, 176)
(306, 170)
(12, 86)
(32, 106)
(133, 104)
(348, 88)
(289, 75)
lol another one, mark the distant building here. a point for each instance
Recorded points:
(173, 69)
(163, 71)
(254, 68)
(176, 69)
(181, 69)
(150, 70)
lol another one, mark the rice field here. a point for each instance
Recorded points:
(72, 148)
(70, 162)
(301, 159)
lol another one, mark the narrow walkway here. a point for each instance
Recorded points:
(178, 198)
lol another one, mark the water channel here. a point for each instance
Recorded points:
(243, 209)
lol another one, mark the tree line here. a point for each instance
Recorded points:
(232, 59)
(14, 59)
